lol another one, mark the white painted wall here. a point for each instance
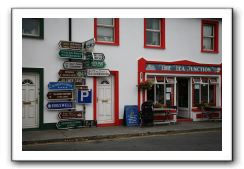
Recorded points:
(182, 43)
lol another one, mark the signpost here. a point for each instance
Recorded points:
(66, 124)
(71, 54)
(98, 72)
(84, 96)
(71, 115)
(60, 105)
(94, 64)
(72, 73)
(89, 44)
(60, 95)
(72, 65)
(94, 56)
(60, 86)
(71, 45)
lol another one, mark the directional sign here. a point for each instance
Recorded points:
(60, 95)
(94, 56)
(81, 86)
(89, 44)
(94, 64)
(67, 124)
(84, 96)
(72, 54)
(71, 115)
(60, 105)
(72, 73)
(72, 65)
(98, 72)
(73, 79)
(60, 86)
(70, 45)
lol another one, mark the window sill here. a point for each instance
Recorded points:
(108, 43)
(209, 51)
(154, 47)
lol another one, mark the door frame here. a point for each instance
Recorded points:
(116, 99)
(40, 72)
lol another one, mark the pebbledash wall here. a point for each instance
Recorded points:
(182, 42)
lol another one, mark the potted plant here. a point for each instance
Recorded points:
(146, 85)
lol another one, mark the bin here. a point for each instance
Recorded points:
(147, 113)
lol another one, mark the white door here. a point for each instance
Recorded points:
(105, 100)
(30, 105)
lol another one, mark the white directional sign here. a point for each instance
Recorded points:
(73, 65)
(98, 72)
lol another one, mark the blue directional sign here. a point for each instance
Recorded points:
(84, 96)
(60, 105)
(60, 86)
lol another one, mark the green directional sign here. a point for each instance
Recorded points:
(67, 124)
(94, 64)
(71, 54)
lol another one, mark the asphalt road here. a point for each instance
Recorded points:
(196, 141)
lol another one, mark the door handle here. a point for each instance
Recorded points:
(25, 103)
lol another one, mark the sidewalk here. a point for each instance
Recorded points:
(96, 133)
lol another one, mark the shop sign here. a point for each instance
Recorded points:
(184, 68)
(94, 64)
(67, 124)
(60, 95)
(89, 44)
(94, 56)
(72, 65)
(98, 72)
(70, 115)
(71, 45)
(84, 96)
(71, 54)
(59, 105)
(75, 80)
(60, 86)
(131, 115)
(72, 73)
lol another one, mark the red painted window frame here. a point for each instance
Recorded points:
(216, 35)
(162, 35)
(116, 33)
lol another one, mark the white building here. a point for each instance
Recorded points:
(182, 57)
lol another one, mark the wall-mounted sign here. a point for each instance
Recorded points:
(89, 44)
(98, 72)
(81, 87)
(183, 68)
(60, 86)
(71, 54)
(67, 124)
(60, 105)
(94, 56)
(73, 80)
(70, 45)
(94, 64)
(72, 73)
(84, 96)
(71, 115)
(60, 95)
(72, 65)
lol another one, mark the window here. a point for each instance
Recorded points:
(210, 35)
(106, 31)
(154, 33)
(33, 28)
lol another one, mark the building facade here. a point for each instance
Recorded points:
(182, 59)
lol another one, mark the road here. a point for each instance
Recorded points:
(195, 141)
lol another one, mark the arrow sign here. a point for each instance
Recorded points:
(72, 65)
(71, 45)
(60, 86)
(94, 64)
(59, 105)
(66, 124)
(60, 95)
(89, 44)
(71, 115)
(98, 72)
(72, 54)
(94, 56)
(72, 73)
(72, 79)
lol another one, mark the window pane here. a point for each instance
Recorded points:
(169, 95)
(160, 93)
(105, 21)
(31, 27)
(208, 43)
(153, 38)
(196, 96)
(153, 24)
(212, 94)
(150, 94)
(105, 34)
(208, 30)
(204, 93)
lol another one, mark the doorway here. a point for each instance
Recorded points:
(183, 97)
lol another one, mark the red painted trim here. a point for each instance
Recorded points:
(116, 33)
(196, 110)
(216, 36)
(143, 91)
(178, 72)
(162, 33)
(184, 120)
(192, 91)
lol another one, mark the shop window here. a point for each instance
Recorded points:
(33, 28)
(209, 40)
(106, 31)
(154, 33)
(204, 93)
(160, 93)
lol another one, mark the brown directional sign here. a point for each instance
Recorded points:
(73, 79)
(72, 73)
(71, 45)
(81, 87)
(71, 115)
(60, 95)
